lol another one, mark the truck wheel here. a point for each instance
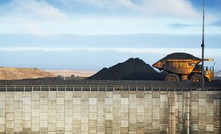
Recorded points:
(172, 77)
(196, 78)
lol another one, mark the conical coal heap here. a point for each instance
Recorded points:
(132, 69)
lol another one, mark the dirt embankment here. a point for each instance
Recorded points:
(69, 73)
(22, 73)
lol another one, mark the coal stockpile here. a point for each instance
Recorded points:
(214, 83)
(148, 83)
(179, 55)
(132, 69)
(85, 82)
(52, 81)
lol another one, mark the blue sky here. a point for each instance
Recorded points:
(92, 34)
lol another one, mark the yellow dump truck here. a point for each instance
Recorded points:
(184, 66)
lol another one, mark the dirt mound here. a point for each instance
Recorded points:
(22, 73)
(68, 73)
(179, 55)
(132, 69)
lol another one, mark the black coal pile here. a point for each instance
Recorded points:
(214, 83)
(132, 69)
(180, 55)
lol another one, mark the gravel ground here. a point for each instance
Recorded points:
(216, 83)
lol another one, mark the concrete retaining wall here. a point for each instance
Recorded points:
(110, 112)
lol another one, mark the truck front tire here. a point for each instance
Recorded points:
(196, 78)
(172, 77)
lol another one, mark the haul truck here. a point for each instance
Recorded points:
(183, 66)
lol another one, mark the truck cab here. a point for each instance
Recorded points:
(208, 73)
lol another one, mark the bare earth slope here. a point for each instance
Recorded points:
(22, 73)
(66, 73)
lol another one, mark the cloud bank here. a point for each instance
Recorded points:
(89, 58)
(194, 51)
(22, 16)
(177, 8)
(47, 17)
(35, 10)
(90, 17)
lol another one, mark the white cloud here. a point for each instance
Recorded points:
(150, 55)
(35, 28)
(31, 16)
(172, 8)
(178, 8)
(210, 52)
(42, 18)
(37, 10)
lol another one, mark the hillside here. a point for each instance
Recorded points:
(69, 73)
(22, 73)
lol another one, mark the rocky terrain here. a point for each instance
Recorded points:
(22, 73)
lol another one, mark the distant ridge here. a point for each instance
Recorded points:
(7, 73)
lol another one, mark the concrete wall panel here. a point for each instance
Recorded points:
(110, 112)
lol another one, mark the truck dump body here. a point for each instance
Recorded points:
(179, 63)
